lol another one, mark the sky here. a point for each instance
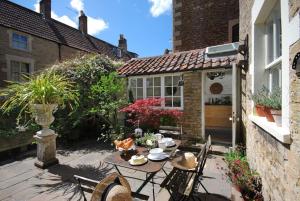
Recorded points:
(146, 24)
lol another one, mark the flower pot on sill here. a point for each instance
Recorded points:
(268, 114)
(260, 110)
(277, 115)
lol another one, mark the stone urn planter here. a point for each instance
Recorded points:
(45, 138)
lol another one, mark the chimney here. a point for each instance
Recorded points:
(45, 8)
(83, 23)
(123, 43)
(167, 51)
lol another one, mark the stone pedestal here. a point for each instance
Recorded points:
(46, 150)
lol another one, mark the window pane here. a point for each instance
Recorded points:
(24, 68)
(133, 92)
(149, 92)
(139, 93)
(157, 91)
(176, 80)
(270, 39)
(176, 91)
(168, 91)
(140, 82)
(176, 102)
(168, 81)
(168, 102)
(157, 81)
(15, 66)
(133, 83)
(149, 82)
(19, 41)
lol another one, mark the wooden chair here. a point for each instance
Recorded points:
(88, 185)
(180, 184)
(171, 131)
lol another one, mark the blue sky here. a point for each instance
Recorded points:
(146, 24)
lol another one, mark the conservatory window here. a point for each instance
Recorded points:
(173, 92)
(153, 85)
(136, 88)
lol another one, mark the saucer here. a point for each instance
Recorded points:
(158, 157)
(136, 164)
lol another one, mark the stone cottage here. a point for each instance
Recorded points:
(32, 41)
(196, 77)
(273, 31)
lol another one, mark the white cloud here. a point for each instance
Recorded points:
(95, 25)
(160, 6)
(64, 19)
(78, 5)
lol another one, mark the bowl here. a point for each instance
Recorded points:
(156, 151)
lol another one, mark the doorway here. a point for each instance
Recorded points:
(217, 105)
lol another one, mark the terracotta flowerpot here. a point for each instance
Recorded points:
(277, 116)
(260, 110)
(268, 114)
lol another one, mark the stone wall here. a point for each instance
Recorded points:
(192, 105)
(202, 23)
(278, 164)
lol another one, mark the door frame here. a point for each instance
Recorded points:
(237, 99)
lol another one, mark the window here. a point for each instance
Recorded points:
(273, 48)
(18, 69)
(165, 86)
(153, 85)
(172, 91)
(136, 88)
(235, 33)
(20, 41)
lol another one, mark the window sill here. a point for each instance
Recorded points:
(277, 132)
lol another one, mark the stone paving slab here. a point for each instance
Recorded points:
(20, 180)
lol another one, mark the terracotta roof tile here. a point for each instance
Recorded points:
(176, 62)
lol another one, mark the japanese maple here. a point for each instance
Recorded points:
(147, 113)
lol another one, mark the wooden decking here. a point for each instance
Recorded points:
(20, 180)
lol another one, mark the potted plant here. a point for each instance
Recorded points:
(275, 105)
(40, 96)
(259, 100)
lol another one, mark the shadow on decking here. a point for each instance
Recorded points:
(61, 178)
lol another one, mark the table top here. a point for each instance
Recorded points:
(150, 167)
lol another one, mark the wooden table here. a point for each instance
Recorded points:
(150, 168)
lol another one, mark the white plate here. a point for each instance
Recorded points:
(158, 157)
(145, 161)
(171, 144)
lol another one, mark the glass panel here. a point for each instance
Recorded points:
(168, 102)
(176, 91)
(278, 38)
(176, 80)
(176, 102)
(157, 91)
(133, 91)
(133, 83)
(270, 39)
(19, 41)
(168, 91)
(139, 82)
(168, 81)
(149, 92)
(15, 66)
(139, 93)
(149, 82)
(24, 68)
(157, 81)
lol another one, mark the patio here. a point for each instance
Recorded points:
(21, 180)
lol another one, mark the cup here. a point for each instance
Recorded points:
(162, 145)
(159, 137)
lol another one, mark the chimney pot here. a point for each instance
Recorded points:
(167, 51)
(122, 43)
(45, 8)
(83, 23)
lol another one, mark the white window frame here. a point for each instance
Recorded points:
(29, 41)
(162, 81)
(10, 58)
(290, 34)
